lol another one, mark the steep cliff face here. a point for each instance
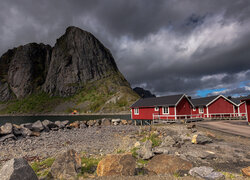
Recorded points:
(77, 58)
(79, 66)
(23, 70)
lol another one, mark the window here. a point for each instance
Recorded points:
(136, 110)
(165, 110)
(194, 109)
(201, 110)
(156, 108)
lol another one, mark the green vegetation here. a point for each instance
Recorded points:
(120, 151)
(229, 175)
(89, 165)
(142, 161)
(42, 168)
(156, 141)
(134, 152)
(34, 103)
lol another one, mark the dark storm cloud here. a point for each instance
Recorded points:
(166, 46)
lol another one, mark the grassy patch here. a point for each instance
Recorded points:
(156, 141)
(228, 175)
(134, 152)
(42, 168)
(142, 161)
(120, 151)
(89, 165)
(34, 103)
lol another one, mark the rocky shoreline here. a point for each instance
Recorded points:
(149, 147)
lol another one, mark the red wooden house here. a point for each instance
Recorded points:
(214, 106)
(246, 101)
(166, 107)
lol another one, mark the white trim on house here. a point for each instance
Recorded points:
(163, 110)
(175, 113)
(136, 111)
(222, 97)
(184, 95)
(156, 108)
(194, 109)
(207, 112)
(246, 112)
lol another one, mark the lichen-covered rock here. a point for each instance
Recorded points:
(17, 169)
(246, 171)
(37, 126)
(66, 165)
(75, 124)
(8, 136)
(117, 165)
(106, 122)
(62, 124)
(145, 151)
(206, 173)
(77, 58)
(201, 139)
(7, 128)
(167, 164)
(48, 124)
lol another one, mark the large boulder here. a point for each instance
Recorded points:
(17, 169)
(167, 164)
(201, 139)
(91, 122)
(48, 124)
(117, 165)
(206, 173)
(37, 126)
(6, 129)
(25, 132)
(167, 142)
(145, 151)
(62, 124)
(66, 165)
(17, 130)
(8, 136)
(246, 171)
(106, 122)
(75, 124)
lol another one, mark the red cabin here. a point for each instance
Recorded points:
(247, 107)
(166, 107)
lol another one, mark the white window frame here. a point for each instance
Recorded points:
(201, 110)
(163, 112)
(194, 109)
(136, 111)
(156, 108)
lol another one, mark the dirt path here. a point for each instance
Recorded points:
(232, 127)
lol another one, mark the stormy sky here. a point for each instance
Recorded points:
(166, 46)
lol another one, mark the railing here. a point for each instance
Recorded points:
(198, 116)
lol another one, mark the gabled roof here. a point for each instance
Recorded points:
(206, 101)
(239, 99)
(203, 101)
(158, 101)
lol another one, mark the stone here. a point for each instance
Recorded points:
(27, 125)
(206, 173)
(66, 165)
(130, 122)
(160, 150)
(35, 133)
(201, 139)
(91, 122)
(116, 121)
(106, 122)
(17, 169)
(211, 135)
(17, 130)
(37, 126)
(191, 126)
(75, 124)
(137, 144)
(124, 122)
(7, 128)
(167, 164)
(25, 132)
(49, 124)
(246, 171)
(145, 152)
(82, 125)
(168, 142)
(117, 165)
(8, 136)
(62, 124)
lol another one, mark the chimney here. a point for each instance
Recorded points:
(189, 97)
(229, 97)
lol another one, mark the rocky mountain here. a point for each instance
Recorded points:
(143, 93)
(77, 60)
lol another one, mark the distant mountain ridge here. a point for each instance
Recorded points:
(143, 93)
(76, 60)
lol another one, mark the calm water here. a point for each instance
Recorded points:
(31, 119)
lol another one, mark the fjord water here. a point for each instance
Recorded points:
(30, 119)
